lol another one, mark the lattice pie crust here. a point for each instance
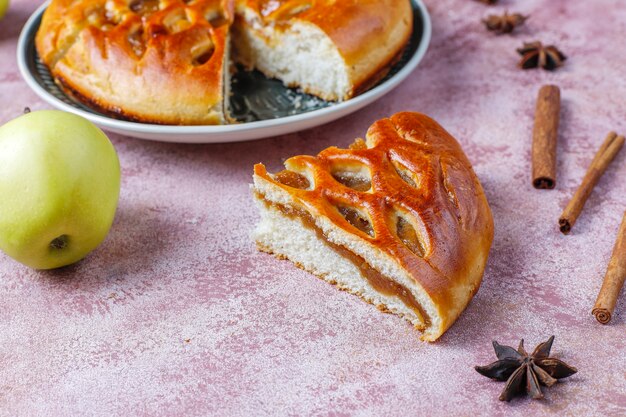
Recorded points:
(399, 219)
(167, 61)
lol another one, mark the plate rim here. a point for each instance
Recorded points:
(219, 131)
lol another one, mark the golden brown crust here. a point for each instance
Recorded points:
(368, 34)
(164, 61)
(157, 61)
(420, 172)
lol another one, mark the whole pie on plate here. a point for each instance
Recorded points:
(399, 219)
(167, 61)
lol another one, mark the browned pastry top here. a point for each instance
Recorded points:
(116, 51)
(419, 201)
(165, 61)
(135, 26)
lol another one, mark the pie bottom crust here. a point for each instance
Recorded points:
(378, 290)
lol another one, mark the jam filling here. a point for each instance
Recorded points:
(377, 280)
(352, 180)
(408, 236)
(355, 218)
(292, 179)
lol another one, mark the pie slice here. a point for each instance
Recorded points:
(399, 219)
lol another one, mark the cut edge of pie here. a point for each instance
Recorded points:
(323, 227)
(333, 50)
(169, 62)
(328, 252)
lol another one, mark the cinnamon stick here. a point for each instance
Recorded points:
(611, 146)
(613, 280)
(545, 135)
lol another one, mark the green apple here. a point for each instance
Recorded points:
(59, 187)
(4, 6)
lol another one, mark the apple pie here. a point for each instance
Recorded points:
(168, 61)
(399, 219)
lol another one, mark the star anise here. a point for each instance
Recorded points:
(504, 23)
(524, 372)
(535, 55)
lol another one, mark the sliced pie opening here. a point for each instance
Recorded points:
(293, 233)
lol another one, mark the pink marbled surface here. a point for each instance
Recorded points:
(178, 314)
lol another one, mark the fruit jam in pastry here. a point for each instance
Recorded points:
(399, 219)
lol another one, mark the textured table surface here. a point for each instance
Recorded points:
(178, 314)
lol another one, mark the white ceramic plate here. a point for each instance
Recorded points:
(264, 107)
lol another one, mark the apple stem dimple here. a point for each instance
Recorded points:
(59, 242)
